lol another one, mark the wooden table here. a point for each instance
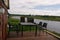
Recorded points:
(28, 24)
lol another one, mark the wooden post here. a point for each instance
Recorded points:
(4, 22)
(4, 27)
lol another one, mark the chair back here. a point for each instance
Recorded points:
(40, 23)
(45, 25)
(30, 20)
(22, 19)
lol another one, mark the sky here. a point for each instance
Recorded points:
(35, 7)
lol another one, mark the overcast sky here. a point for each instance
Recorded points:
(35, 7)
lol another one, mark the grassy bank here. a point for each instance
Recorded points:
(58, 34)
(53, 33)
(52, 18)
(45, 17)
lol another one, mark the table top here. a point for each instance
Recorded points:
(25, 23)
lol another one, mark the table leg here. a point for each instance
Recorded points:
(22, 31)
(36, 31)
(30, 28)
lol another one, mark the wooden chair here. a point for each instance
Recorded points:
(40, 27)
(44, 27)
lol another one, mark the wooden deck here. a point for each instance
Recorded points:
(30, 36)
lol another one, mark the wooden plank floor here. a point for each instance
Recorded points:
(30, 36)
(0, 33)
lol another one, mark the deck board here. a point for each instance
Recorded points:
(30, 36)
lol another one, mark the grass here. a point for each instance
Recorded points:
(13, 21)
(16, 26)
(25, 28)
(55, 33)
(44, 17)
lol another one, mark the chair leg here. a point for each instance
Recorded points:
(43, 31)
(17, 34)
(8, 33)
(46, 31)
(40, 29)
(39, 32)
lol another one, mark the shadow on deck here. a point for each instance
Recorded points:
(31, 36)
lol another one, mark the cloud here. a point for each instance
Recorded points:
(32, 3)
(44, 2)
(35, 12)
(46, 7)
